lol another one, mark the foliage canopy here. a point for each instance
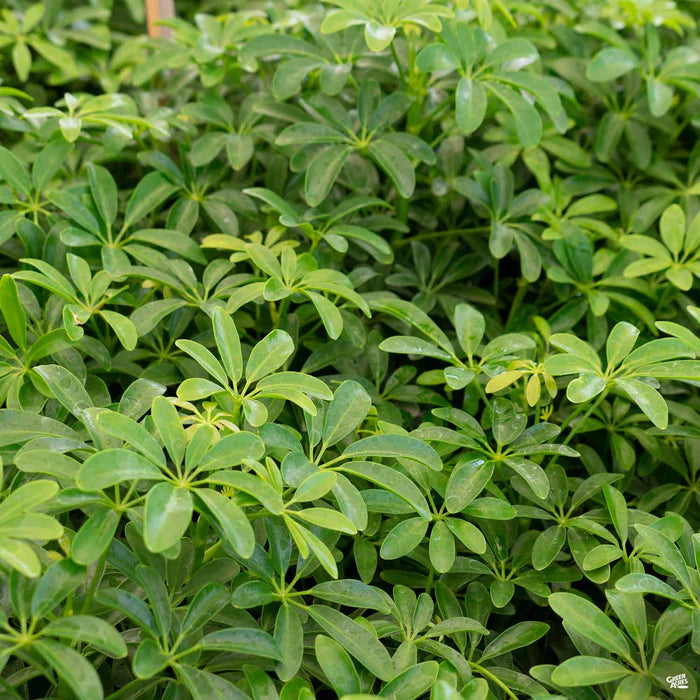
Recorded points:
(349, 348)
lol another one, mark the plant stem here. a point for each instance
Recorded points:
(575, 428)
(493, 678)
(395, 56)
(95, 581)
(517, 300)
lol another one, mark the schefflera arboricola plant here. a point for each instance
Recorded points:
(350, 349)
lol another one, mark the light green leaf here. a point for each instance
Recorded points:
(588, 620)
(396, 446)
(167, 516)
(588, 670)
(610, 63)
(74, 669)
(356, 639)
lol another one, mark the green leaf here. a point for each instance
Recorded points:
(325, 517)
(158, 597)
(123, 328)
(235, 527)
(601, 555)
(20, 557)
(94, 536)
(617, 507)
(519, 635)
(26, 498)
(466, 482)
(441, 547)
(609, 64)
(648, 399)
(74, 669)
(393, 161)
(532, 473)
(49, 161)
(352, 593)
(13, 173)
(585, 387)
(269, 355)
(151, 192)
(588, 620)
(289, 637)
(76, 210)
(670, 557)
(609, 133)
(630, 609)
(620, 343)
(672, 227)
(59, 581)
(21, 60)
(659, 96)
(20, 426)
(396, 446)
(410, 313)
(392, 480)
(323, 171)
(314, 487)
(527, 120)
(207, 147)
(167, 516)
(547, 545)
(308, 133)
(133, 433)
(508, 421)
(210, 599)
(468, 534)
(90, 630)
(167, 422)
(251, 485)
(112, 466)
(12, 310)
(329, 314)
(356, 639)
(239, 150)
(404, 538)
(408, 345)
(471, 101)
(149, 659)
(412, 682)
(204, 358)
(104, 192)
(241, 640)
(349, 407)
(228, 344)
(337, 664)
(204, 685)
(588, 670)
(646, 583)
(470, 326)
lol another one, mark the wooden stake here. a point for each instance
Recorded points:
(157, 10)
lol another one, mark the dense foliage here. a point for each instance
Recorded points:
(349, 349)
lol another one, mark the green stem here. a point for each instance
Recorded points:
(580, 423)
(402, 209)
(95, 582)
(517, 300)
(497, 681)
(496, 279)
(482, 393)
(398, 63)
